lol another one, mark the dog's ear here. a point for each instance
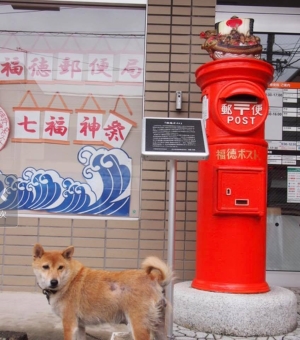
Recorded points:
(68, 252)
(38, 251)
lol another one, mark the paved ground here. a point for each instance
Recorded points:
(30, 313)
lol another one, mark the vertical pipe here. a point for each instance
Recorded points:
(270, 43)
(171, 238)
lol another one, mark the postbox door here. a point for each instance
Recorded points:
(241, 191)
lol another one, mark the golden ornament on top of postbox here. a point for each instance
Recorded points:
(232, 38)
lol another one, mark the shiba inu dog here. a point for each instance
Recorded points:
(83, 296)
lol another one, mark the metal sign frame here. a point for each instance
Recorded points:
(174, 138)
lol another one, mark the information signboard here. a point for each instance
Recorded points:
(282, 130)
(293, 189)
(174, 138)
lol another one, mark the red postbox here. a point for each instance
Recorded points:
(231, 223)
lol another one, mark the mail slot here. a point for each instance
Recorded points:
(242, 98)
(232, 183)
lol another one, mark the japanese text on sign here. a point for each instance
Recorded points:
(71, 67)
(90, 128)
(236, 154)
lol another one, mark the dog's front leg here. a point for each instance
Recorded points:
(70, 325)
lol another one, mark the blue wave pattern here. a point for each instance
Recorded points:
(106, 191)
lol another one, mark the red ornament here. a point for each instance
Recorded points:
(234, 22)
(4, 128)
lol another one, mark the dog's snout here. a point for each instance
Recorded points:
(54, 283)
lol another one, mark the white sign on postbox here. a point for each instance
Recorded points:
(241, 116)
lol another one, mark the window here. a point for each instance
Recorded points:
(71, 85)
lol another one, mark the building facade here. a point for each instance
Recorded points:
(173, 53)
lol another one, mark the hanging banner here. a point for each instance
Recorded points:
(39, 67)
(131, 68)
(89, 123)
(100, 67)
(70, 66)
(12, 66)
(56, 123)
(27, 121)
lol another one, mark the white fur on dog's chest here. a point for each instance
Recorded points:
(56, 306)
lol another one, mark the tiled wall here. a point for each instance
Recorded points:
(173, 55)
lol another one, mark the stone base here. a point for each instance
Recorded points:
(267, 314)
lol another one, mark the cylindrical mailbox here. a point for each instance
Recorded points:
(231, 221)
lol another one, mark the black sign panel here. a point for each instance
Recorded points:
(173, 138)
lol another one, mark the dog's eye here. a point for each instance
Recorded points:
(46, 266)
(60, 267)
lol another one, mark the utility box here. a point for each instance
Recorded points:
(231, 221)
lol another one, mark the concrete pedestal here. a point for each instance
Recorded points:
(267, 314)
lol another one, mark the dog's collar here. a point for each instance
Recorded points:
(48, 292)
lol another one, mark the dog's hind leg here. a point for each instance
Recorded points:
(138, 330)
(81, 335)
(140, 333)
(163, 310)
(160, 334)
(160, 331)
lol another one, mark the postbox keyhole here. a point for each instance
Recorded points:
(228, 191)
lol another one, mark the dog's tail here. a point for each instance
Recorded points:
(158, 270)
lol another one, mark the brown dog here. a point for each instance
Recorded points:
(82, 296)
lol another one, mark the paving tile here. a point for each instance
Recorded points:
(201, 335)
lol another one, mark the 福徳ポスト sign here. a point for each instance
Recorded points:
(4, 128)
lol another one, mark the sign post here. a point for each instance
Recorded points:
(171, 236)
(173, 139)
